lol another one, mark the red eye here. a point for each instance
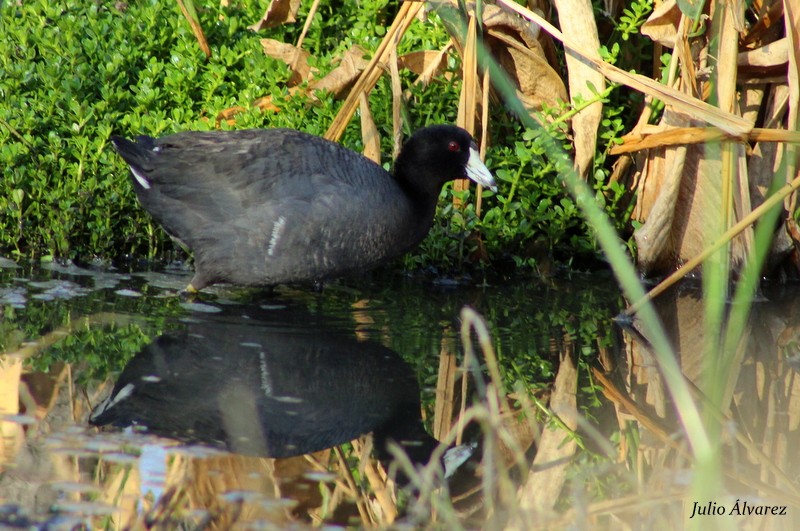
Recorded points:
(453, 146)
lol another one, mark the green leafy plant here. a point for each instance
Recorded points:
(76, 74)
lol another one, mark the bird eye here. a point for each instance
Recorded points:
(453, 146)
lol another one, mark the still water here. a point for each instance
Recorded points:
(127, 406)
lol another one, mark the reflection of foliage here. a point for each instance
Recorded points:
(99, 352)
(98, 341)
(526, 323)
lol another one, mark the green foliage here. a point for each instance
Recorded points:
(76, 73)
(632, 18)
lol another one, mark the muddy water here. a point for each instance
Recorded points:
(126, 405)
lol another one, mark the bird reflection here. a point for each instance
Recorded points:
(275, 391)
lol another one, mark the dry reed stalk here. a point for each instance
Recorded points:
(197, 29)
(446, 378)
(791, 19)
(383, 494)
(741, 225)
(369, 132)
(468, 99)
(730, 123)
(660, 136)
(487, 85)
(311, 12)
(397, 104)
(735, 190)
(578, 23)
(405, 16)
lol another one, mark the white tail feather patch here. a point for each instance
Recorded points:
(112, 400)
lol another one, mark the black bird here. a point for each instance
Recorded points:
(263, 207)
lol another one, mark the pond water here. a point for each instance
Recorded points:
(126, 405)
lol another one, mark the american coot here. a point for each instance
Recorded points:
(270, 206)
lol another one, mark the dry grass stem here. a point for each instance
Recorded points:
(468, 99)
(405, 16)
(196, 28)
(311, 12)
(397, 103)
(659, 136)
(578, 23)
(369, 132)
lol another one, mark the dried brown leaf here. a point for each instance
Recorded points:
(772, 54)
(662, 24)
(296, 58)
(515, 44)
(279, 12)
(423, 63)
(341, 79)
(537, 82)
(226, 115)
(264, 103)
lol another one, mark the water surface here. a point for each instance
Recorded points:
(128, 405)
